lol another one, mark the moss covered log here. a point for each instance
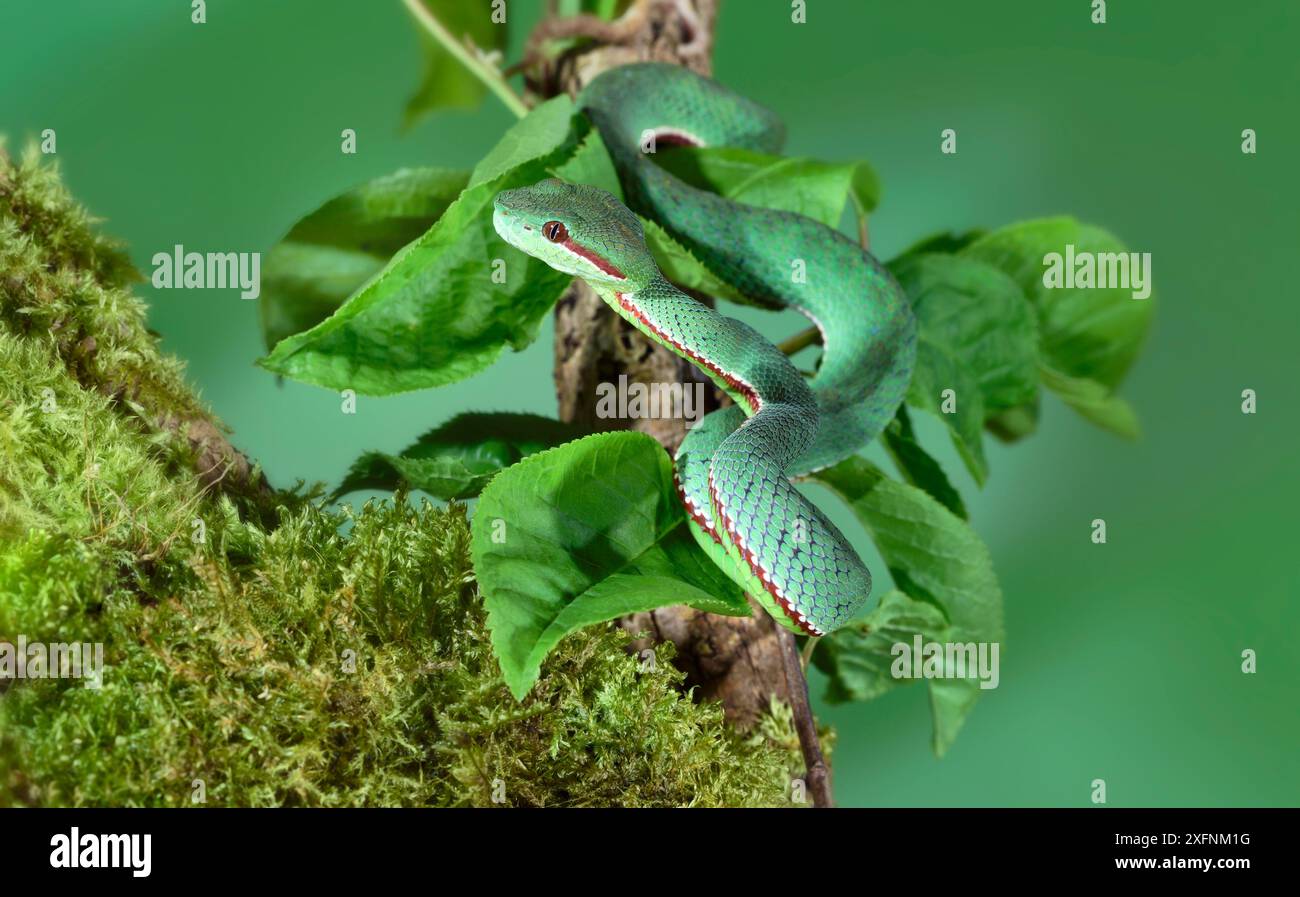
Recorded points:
(262, 648)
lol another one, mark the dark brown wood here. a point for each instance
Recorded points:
(818, 775)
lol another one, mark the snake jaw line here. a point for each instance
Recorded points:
(582, 252)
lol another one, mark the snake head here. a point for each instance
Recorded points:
(577, 229)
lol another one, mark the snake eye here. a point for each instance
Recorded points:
(555, 231)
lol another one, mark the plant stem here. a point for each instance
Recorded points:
(801, 340)
(808, 647)
(818, 776)
(864, 238)
(484, 72)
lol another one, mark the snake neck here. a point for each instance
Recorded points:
(739, 361)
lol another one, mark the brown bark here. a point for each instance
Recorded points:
(737, 661)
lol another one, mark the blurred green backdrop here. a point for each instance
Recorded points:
(1122, 660)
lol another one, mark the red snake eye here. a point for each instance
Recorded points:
(555, 231)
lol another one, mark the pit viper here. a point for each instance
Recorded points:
(734, 468)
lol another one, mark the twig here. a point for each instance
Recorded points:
(484, 72)
(818, 776)
(802, 340)
(860, 213)
(585, 25)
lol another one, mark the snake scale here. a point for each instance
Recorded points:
(734, 468)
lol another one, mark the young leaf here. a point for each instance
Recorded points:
(447, 83)
(933, 556)
(806, 186)
(917, 467)
(457, 459)
(326, 256)
(975, 331)
(1089, 336)
(1014, 424)
(583, 534)
(857, 658)
(448, 303)
(1095, 402)
(1090, 333)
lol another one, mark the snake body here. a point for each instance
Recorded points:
(734, 468)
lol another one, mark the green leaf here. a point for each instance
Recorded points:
(979, 316)
(935, 557)
(327, 255)
(457, 459)
(857, 658)
(1089, 337)
(1095, 402)
(446, 83)
(1094, 334)
(917, 467)
(864, 190)
(435, 314)
(976, 328)
(947, 242)
(1014, 424)
(937, 371)
(592, 165)
(805, 186)
(583, 534)
(546, 129)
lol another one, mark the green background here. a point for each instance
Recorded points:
(1122, 660)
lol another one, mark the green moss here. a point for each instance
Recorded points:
(305, 667)
(330, 659)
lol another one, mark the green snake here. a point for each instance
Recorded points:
(734, 468)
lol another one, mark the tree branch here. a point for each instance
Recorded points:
(801, 340)
(818, 776)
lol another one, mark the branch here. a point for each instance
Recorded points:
(802, 340)
(818, 775)
(486, 73)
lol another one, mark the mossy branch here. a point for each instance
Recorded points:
(68, 286)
